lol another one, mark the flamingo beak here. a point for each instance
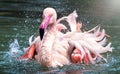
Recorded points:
(43, 25)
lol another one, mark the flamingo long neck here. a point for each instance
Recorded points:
(46, 47)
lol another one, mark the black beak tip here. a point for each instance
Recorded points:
(41, 32)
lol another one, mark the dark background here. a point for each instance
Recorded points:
(19, 19)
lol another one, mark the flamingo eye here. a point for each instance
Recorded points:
(50, 15)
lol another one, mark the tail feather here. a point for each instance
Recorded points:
(108, 47)
(103, 42)
(71, 19)
(102, 35)
(89, 56)
(93, 29)
(97, 31)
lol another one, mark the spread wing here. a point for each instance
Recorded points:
(90, 42)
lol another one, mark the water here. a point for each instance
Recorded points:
(20, 19)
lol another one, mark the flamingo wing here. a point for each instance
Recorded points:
(89, 43)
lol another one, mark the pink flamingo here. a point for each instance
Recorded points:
(58, 49)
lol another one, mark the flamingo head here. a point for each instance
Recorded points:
(49, 18)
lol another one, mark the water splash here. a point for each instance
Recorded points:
(8, 57)
(11, 65)
(14, 49)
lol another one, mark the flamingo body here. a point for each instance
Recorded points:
(58, 49)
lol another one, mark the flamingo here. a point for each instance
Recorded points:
(58, 49)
